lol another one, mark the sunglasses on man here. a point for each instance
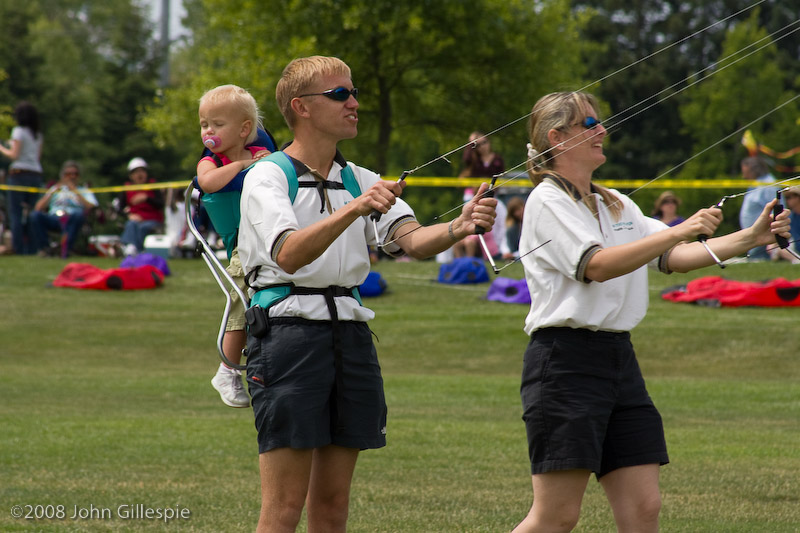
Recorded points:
(340, 94)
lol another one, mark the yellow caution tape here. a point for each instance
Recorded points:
(420, 181)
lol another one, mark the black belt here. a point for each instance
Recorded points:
(23, 171)
(583, 333)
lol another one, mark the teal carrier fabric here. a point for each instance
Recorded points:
(223, 209)
(273, 294)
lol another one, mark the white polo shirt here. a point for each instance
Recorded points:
(560, 295)
(268, 214)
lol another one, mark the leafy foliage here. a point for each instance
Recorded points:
(429, 72)
(658, 133)
(725, 103)
(89, 67)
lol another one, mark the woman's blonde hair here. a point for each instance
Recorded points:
(241, 99)
(299, 75)
(557, 111)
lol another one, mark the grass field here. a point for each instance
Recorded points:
(105, 402)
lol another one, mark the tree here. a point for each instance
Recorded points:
(429, 72)
(89, 69)
(649, 141)
(740, 92)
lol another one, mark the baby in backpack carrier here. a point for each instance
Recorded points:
(229, 120)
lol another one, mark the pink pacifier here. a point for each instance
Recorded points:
(212, 141)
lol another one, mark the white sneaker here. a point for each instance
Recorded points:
(129, 250)
(229, 385)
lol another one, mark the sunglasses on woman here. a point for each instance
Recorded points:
(589, 123)
(340, 94)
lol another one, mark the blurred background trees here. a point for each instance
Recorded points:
(90, 68)
(429, 72)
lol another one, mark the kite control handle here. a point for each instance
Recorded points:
(782, 241)
(376, 215)
(480, 230)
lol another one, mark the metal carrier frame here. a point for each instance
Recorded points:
(218, 271)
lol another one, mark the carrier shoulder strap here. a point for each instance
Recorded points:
(350, 181)
(287, 166)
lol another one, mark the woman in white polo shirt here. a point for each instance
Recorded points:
(586, 408)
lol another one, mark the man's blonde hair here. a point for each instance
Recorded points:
(241, 100)
(299, 75)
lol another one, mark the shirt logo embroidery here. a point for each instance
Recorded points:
(622, 226)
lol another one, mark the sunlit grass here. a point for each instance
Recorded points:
(105, 400)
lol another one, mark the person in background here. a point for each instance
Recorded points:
(516, 209)
(480, 161)
(62, 209)
(229, 119)
(666, 208)
(585, 404)
(791, 198)
(25, 170)
(144, 208)
(754, 168)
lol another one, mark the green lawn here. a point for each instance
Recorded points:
(105, 402)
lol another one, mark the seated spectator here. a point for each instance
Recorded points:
(666, 207)
(144, 208)
(516, 208)
(62, 209)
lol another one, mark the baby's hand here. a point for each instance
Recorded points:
(261, 153)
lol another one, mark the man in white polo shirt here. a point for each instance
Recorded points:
(312, 369)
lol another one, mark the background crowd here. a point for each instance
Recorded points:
(68, 218)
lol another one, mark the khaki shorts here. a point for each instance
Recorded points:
(236, 318)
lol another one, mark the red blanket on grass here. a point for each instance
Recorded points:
(86, 276)
(715, 291)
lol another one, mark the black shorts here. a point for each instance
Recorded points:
(292, 381)
(585, 403)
